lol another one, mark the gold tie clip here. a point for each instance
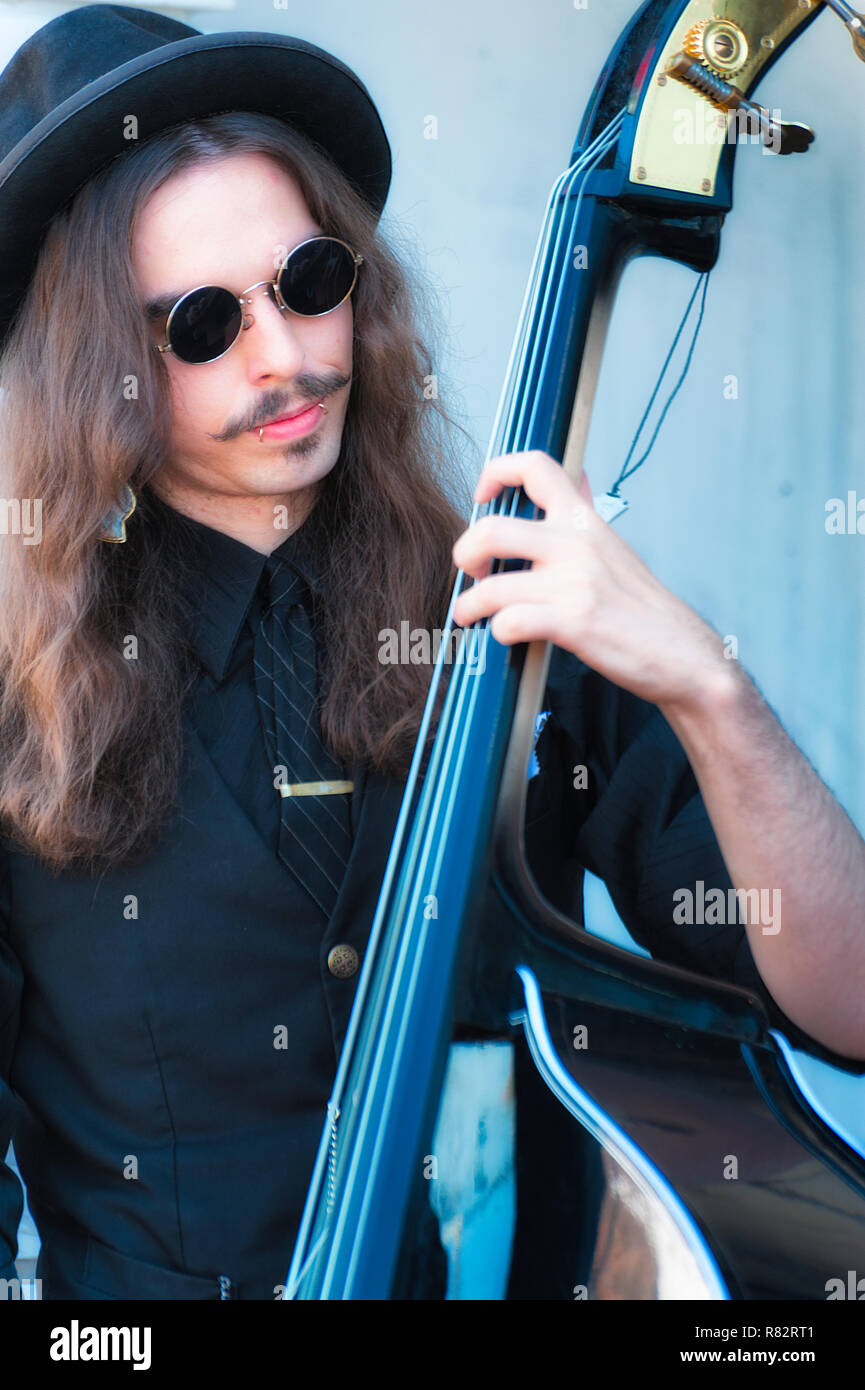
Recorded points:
(314, 788)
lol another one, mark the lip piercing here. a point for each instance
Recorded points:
(321, 406)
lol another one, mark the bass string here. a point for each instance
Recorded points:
(419, 876)
(528, 316)
(463, 688)
(520, 428)
(541, 303)
(512, 428)
(539, 273)
(543, 297)
(506, 426)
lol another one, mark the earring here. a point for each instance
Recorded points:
(114, 523)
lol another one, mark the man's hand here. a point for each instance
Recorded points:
(778, 826)
(587, 590)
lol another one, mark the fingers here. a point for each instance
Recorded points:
(501, 537)
(523, 622)
(521, 587)
(541, 477)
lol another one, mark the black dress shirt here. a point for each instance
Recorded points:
(644, 831)
(224, 704)
(165, 1021)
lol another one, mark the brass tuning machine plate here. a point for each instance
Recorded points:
(696, 96)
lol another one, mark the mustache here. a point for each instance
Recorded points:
(272, 405)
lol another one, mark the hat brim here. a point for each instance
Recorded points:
(280, 76)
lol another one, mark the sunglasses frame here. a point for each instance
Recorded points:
(246, 319)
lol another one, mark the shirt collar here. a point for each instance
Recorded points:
(225, 574)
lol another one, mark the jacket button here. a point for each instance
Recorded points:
(342, 962)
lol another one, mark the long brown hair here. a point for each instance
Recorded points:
(91, 740)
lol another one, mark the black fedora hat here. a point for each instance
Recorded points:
(67, 93)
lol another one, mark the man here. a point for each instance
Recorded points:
(180, 940)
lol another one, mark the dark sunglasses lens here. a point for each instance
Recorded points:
(317, 277)
(205, 324)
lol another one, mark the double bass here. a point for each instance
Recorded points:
(680, 1064)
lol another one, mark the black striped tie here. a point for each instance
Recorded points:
(315, 828)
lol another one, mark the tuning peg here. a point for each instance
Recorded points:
(855, 23)
(785, 137)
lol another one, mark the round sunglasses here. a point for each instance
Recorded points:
(314, 279)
